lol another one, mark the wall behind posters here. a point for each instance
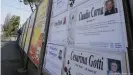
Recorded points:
(96, 37)
(37, 38)
(29, 32)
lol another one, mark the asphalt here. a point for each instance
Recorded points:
(12, 59)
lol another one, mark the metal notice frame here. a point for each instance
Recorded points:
(24, 39)
(23, 52)
(128, 21)
(20, 39)
(45, 37)
(32, 35)
(26, 33)
(27, 57)
(24, 27)
(33, 32)
(28, 22)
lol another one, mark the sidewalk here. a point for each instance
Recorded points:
(10, 58)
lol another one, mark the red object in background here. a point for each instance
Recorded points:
(65, 69)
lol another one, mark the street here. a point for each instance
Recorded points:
(10, 58)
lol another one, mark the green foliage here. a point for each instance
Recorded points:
(12, 27)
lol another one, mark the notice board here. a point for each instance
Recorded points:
(29, 32)
(93, 33)
(25, 32)
(38, 32)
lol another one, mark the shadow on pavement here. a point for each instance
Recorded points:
(13, 58)
(10, 58)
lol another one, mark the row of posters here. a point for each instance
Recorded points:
(25, 33)
(81, 62)
(91, 22)
(29, 32)
(96, 21)
(77, 61)
(55, 58)
(92, 35)
(21, 37)
(38, 32)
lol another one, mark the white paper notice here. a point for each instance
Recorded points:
(74, 3)
(59, 6)
(59, 28)
(79, 62)
(99, 26)
(29, 32)
(54, 59)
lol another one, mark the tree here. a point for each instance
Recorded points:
(31, 3)
(12, 27)
(7, 19)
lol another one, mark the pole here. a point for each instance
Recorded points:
(27, 60)
(128, 20)
(24, 69)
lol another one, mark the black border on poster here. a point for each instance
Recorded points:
(22, 35)
(27, 57)
(21, 41)
(32, 29)
(24, 55)
(24, 28)
(43, 70)
(32, 35)
(128, 21)
(31, 39)
(24, 39)
(26, 33)
(28, 22)
(45, 37)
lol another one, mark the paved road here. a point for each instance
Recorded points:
(10, 58)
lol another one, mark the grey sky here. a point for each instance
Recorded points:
(15, 8)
